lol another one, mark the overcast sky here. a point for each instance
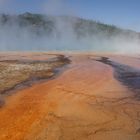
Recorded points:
(123, 13)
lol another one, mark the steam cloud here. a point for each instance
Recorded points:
(63, 37)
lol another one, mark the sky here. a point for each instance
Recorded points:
(123, 13)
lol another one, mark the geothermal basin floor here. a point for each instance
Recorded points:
(84, 102)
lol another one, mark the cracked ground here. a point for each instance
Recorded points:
(85, 102)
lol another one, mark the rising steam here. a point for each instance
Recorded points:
(64, 33)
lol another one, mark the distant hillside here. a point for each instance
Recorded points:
(56, 26)
(33, 32)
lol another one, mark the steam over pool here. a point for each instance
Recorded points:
(29, 32)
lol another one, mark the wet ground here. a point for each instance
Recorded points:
(127, 75)
(17, 72)
(89, 100)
